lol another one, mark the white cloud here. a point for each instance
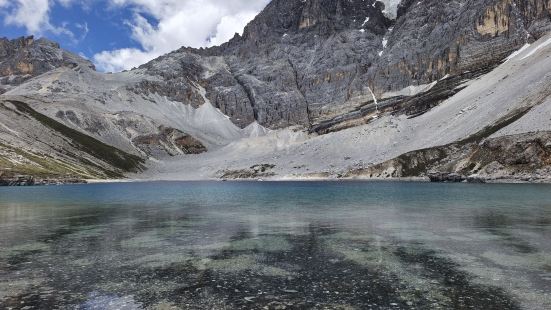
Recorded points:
(229, 25)
(84, 30)
(121, 59)
(33, 15)
(65, 3)
(195, 23)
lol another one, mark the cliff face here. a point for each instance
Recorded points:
(24, 58)
(305, 62)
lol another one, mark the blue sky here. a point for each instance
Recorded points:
(121, 34)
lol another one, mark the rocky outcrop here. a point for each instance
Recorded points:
(523, 157)
(10, 179)
(254, 172)
(27, 57)
(16, 180)
(169, 141)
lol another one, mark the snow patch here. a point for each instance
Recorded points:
(391, 8)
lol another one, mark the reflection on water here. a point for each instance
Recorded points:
(276, 246)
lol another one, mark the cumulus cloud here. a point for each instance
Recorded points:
(31, 14)
(171, 24)
(34, 16)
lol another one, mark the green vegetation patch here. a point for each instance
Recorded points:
(96, 148)
(42, 166)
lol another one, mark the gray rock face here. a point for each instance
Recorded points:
(521, 157)
(25, 57)
(304, 62)
(313, 61)
(169, 141)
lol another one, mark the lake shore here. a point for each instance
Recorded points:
(24, 181)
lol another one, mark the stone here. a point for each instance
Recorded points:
(27, 57)
(169, 141)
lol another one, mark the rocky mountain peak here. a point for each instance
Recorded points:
(324, 17)
(306, 62)
(26, 57)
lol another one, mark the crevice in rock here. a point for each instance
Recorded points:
(249, 92)
(297, 84)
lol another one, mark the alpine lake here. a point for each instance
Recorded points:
(276, 245)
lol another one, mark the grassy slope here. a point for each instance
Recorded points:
(44, 166)
(49, 166)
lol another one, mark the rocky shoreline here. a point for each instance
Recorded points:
(28, 180)
(24, 181)
(257, 175)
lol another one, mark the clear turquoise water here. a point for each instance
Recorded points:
(225, 245)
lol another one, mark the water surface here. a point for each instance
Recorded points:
(226, 245)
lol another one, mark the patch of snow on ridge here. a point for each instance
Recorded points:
(391, 8)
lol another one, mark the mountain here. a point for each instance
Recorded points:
(313, 88)
(24, 58)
